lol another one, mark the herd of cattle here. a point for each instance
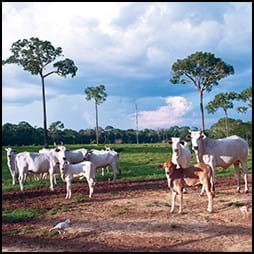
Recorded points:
(209, 153)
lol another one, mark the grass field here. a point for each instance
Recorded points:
(137, 161)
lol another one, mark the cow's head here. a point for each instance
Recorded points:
(196, 138)
(88, 155)
(9, 151)
(169, 167)
(176, 144)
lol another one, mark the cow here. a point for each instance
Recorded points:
(36, 163)
(199, 173)
(69, 171)
(11, 155)
(102, 159)
(221, 153)
(73, 156)
(181, 155)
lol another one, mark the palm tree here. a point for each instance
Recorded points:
(99, 95)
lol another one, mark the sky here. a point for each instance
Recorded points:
(129, 47)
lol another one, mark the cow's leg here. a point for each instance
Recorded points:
(180, 197)
(173, 195)
(91, 186)
(13, 178)
(208, 189)
(51, 179)
(68, 187)
(245, 175)
(212, 179)
(24, 178)
(115, 170)
(21, 180)
(54, 179)
(237, 175)
(102, 171)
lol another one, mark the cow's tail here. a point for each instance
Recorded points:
(211, 176)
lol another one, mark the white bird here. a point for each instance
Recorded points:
(244, 210)
(61, 226)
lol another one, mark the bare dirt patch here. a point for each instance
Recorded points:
(130, 216)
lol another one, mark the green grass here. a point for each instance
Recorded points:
(137, 161)
(19, 215)
(59, 208)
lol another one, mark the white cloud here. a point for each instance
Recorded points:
(126, 44)
(165, 116)
(87, 32)
(24, 91)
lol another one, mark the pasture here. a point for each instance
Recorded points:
(131, 214)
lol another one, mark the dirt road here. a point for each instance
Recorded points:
(130, 216)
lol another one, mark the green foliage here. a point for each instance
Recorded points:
(235, 126)
(97, 93)
(202, 69)
(246, 96)
(34, 55)
(54, 130)
(19, 215)
(221, 100)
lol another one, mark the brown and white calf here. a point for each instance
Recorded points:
(199, 173)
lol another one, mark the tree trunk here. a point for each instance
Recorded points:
(97, 132)
(44, 114)
(136, 123)
(202, 110)
(226, 121)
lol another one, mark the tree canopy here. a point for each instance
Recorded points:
(97, 93)
(34, 55)
(203, 70)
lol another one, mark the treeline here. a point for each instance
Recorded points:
(25, 134)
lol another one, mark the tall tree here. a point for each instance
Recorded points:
(246, 96)
(35, 55)
(203, 70)
(99, 95)
(54, 130)
(224, 101)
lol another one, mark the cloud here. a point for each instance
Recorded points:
(26, 91)
(165, 116)
(129, 47)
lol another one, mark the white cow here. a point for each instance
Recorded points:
(11, 155)
(102, 159)
(36, 163)
(73, 156)
(181, 155)
(221, 153)
(69, 171)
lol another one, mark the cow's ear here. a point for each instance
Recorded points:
(182, 142)
(170, 142)
(202, 134)
(6, 149)
(160, 166)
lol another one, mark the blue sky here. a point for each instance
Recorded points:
(130, 48)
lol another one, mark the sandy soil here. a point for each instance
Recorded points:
(130, 216)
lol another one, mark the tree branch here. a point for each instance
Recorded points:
(49, 73)
(194, 82)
